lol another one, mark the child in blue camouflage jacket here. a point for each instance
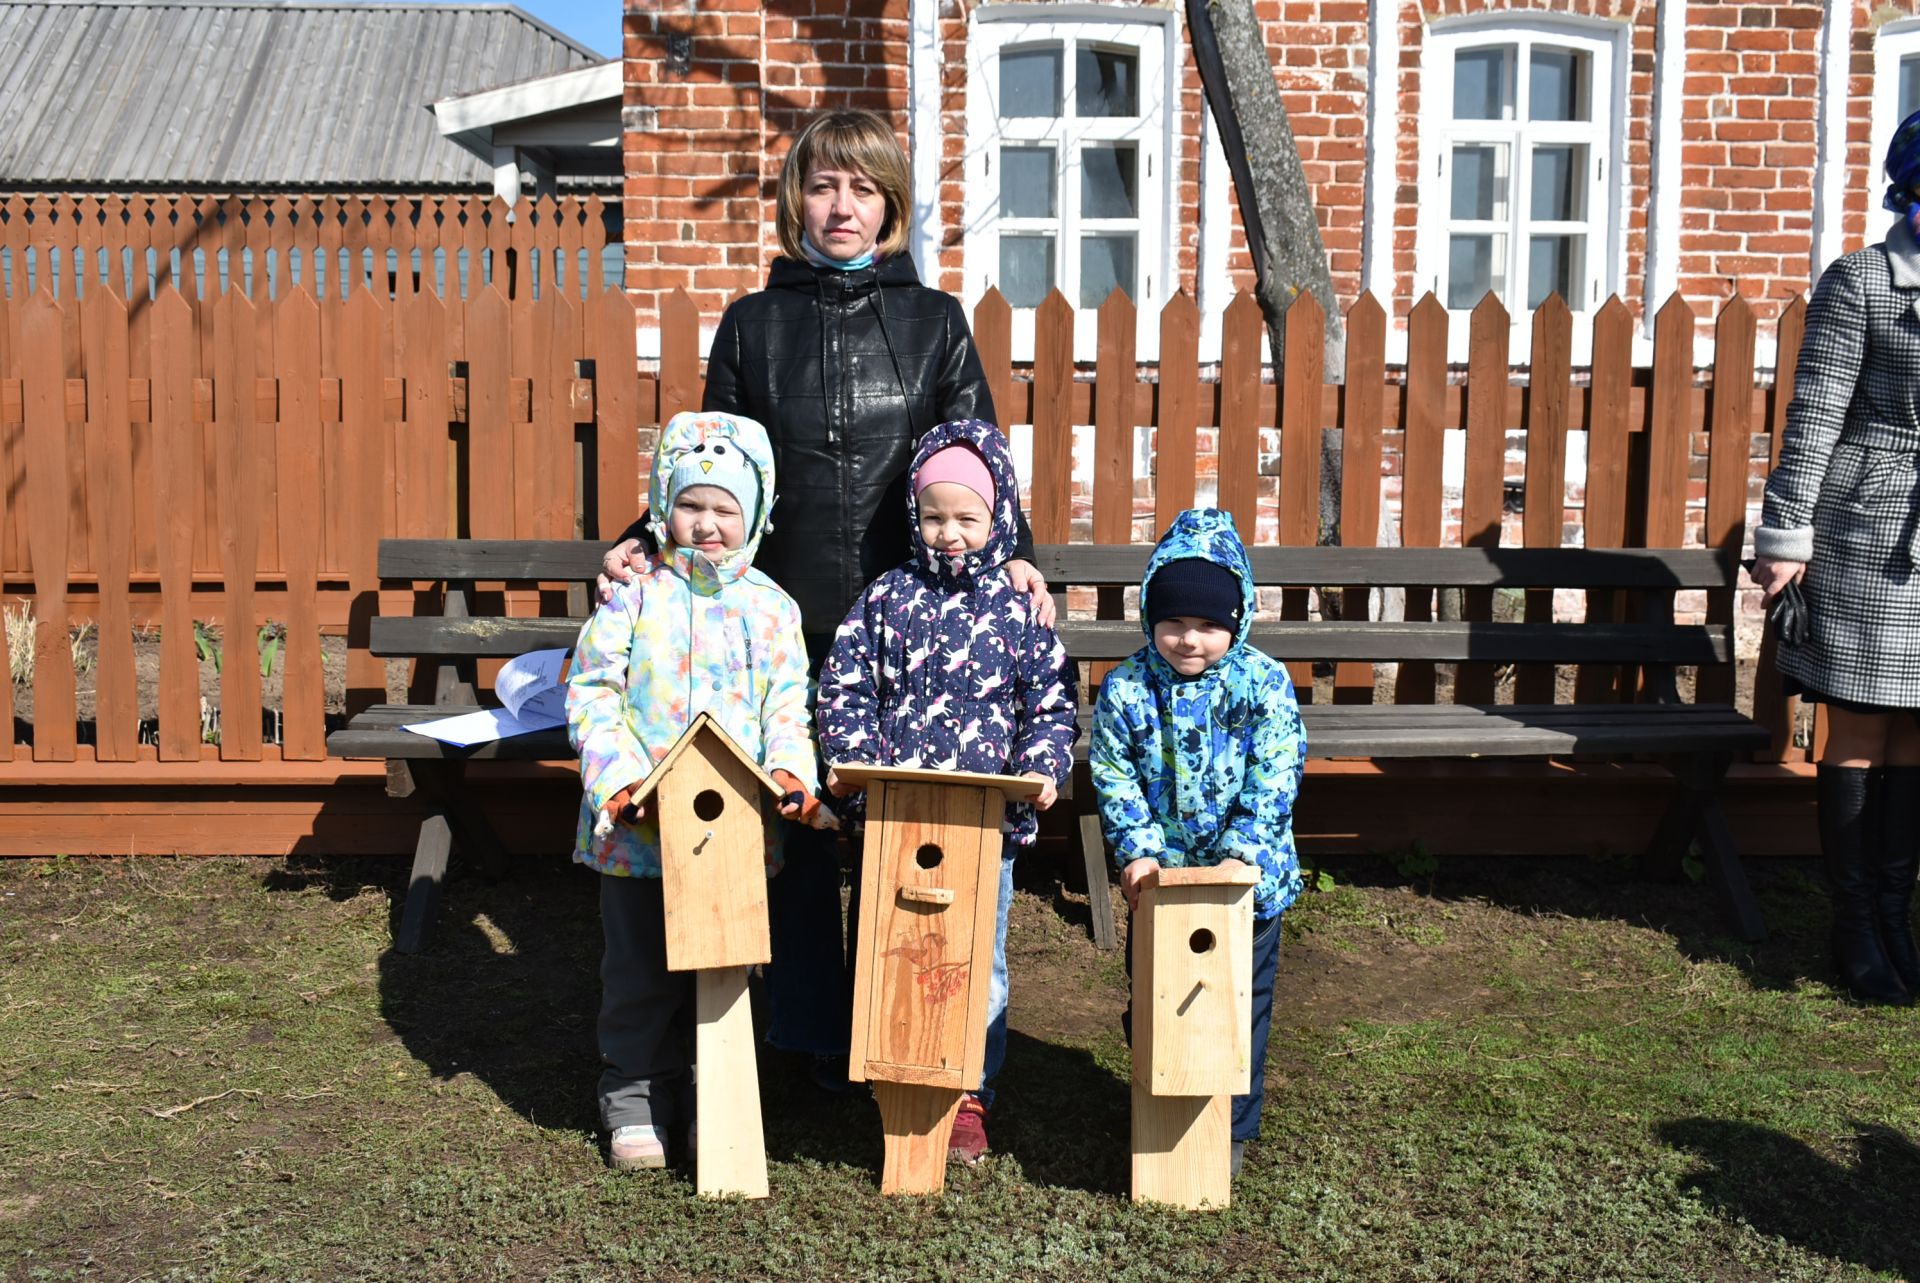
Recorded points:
(1197, 749)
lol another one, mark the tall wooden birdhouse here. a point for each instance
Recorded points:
(713, 851)
(1192, 1029)
(929, 887)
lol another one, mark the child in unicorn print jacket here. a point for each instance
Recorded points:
(940, 664)
(702, 631)
(1197, 750)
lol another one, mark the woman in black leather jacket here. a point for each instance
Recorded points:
(846, 359)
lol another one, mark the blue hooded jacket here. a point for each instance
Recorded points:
(940, 664)
(1191, 771)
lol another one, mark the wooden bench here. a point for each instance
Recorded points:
(448, 647)
(1696, 741)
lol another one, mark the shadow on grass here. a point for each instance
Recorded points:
(1623, 889)
(1861, 1213)
(508, 986)
(1063, 1116)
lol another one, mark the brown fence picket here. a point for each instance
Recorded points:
(1668, 435)
(1051, 505)
(993, 340)
(1237, 457)
(1422, 451)
(1604, 514)
(1773, 708)
(362, 410)
(1177, 412)
(679, 355)
(1113, 414)
(237, 449)
(421, 457)
(110, 489)
(1544, 514)
(176, 495)
(1484, 490)
(1729, 446)
(1360, 409)
(616, 393)
(44, 404)
(10, 393)
(303, 702)
(1301, 376)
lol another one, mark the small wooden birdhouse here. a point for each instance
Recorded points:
(929, 886)
(1192, 1029)
(713, 849)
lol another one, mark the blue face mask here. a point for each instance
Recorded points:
(818, 259)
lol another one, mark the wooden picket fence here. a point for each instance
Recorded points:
(160, 432)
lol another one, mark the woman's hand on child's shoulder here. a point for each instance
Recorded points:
(620, 564)
(1049, 791)
(1027, 580)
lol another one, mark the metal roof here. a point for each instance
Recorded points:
(192, 94)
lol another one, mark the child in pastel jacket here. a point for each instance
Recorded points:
(1197, 750)
(702, 631)
(941, 664)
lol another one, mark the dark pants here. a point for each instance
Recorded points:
(1266, 960)
(646, 1011)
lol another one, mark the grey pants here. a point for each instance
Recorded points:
(646, 1012)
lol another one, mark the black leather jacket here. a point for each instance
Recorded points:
(845, 370)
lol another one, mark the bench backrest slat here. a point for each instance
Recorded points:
(482, 637)
(1109, 565)
(490, 559)
(1097, 639)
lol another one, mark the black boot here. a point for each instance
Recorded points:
(1851, 849)
(1900, 853)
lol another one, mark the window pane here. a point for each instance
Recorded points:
(1107, 187)
(1481, 83)
(1909, 85)
(1553, 266)
(1558, 192)
(1105, 262)
(1026, 182)
(1480, 181)
(1026, 269)
(1030, 82)
(1473, 269)
(1106, 82)
(1557, 85)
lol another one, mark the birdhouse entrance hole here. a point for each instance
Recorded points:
(707, 804)
(1201, 941)
(929, 856)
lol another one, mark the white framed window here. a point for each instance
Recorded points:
(1067, 162)
(1519, 134)
(1896, 95)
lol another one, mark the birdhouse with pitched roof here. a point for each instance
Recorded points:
(713, 849)
(929, 888)
(1192, 1020)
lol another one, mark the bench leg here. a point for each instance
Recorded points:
(1696, 813)
(423, 886)
(1093, 855)
(443, 785)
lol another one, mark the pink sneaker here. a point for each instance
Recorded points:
(634, 1148)
(969, 1140)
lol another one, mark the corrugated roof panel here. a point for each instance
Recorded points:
(243, 93)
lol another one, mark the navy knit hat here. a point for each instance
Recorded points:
(1197, 589)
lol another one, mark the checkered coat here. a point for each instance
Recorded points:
(1845, 498)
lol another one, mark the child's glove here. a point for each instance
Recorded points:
(620, 809)
(801, 806)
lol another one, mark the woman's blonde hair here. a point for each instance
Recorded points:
(850, 140)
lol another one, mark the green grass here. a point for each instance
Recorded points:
(1544, 1070)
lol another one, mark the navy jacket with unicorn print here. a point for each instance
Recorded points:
(1191, 771)
(940, 663)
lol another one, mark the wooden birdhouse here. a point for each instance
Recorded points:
(929, 887)
(713, 850)
(1192, 1030)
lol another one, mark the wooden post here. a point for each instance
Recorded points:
(929, 884)
(714, 890)
(1192, 1030)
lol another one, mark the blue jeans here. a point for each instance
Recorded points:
(997, 989)
(1266, 960)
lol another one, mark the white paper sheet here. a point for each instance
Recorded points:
(481, 726)
(535, 696)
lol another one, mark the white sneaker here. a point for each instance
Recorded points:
(634, 1147)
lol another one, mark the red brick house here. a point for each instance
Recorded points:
(1597, 147)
